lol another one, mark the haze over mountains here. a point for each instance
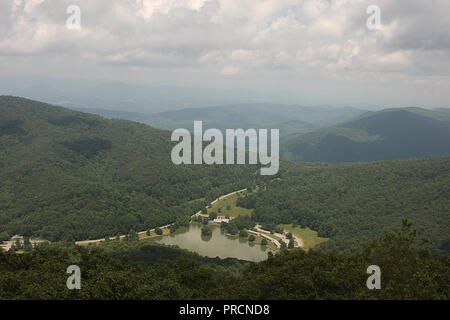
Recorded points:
(326, 134)
(132, 97)
(70, 176)
(320, 133)
(287, 118)
(356, 182)
(384, 135)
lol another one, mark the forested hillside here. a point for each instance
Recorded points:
(71, 176)
(384, 135)
(68, 175)
(407, 273)
(351, 204)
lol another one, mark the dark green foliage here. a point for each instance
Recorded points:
(352, 204)
(291, 244)
(147, 253)
(212, 215)
(206, 231)
(12, 127)
(71, 120)
(88, 147)
(246, 201)
(384, 135)
(243, 234)
(180, 222)
(238, 224)
(243, 222)
(407, 273)
(229, 228)
(72, 176)
(4, 236)
(133, 235)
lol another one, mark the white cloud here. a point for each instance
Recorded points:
(320, 39)
(229, 70)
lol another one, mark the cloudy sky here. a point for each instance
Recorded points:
(320, 49)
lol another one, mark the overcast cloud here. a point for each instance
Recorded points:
(320, 49)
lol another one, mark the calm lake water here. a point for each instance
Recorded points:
(217, 245)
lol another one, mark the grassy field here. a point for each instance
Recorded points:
(269, 245)
(143, 235)
(309, 237)
(233, 210)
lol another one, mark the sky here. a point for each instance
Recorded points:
(318, 51)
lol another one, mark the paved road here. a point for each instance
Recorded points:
(259, 231)
(265, 236)
(282, 236)
(199, 213)
(87, 242)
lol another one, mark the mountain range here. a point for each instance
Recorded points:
(68, 175)
(383, 135)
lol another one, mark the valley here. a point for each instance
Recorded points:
(223, 245)
(116, 198)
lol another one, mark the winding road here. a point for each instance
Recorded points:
(259, 231)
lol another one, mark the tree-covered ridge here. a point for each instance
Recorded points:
(385, 135)
(406, 273)
(70, 176)
(351, 204)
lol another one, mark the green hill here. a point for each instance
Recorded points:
(407, 273)
(351, 204)
(385, 135)
(68, 175)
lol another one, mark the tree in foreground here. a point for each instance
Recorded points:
(291, 244)
(243, 234)
(212, 215)
(206, 231)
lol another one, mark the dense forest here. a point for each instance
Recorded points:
(351, 204)
(68, 175)
(407, 273)
(71, 176)
(384, 135)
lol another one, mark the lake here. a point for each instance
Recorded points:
(217, 245)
